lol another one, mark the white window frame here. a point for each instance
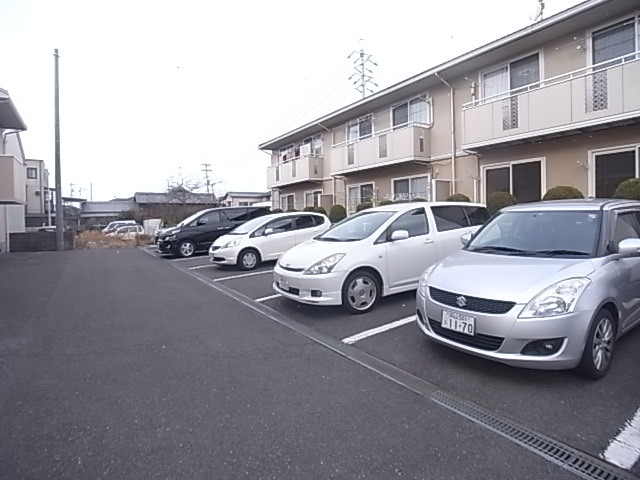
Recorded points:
(359, 201)
(314, 193)
(283, 201)
(543, 174)
(589, 38)
(35, 173)
(592, 154)
(498, 66)
(426, 176)
(357, 124)
(429, 101)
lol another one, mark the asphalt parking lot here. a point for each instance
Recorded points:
(593, 417)
(126, 364)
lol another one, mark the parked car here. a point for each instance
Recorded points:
(197, 232)
(376, 252)
(547, 285)
(266, 238)
(111, 226)
(127, 232)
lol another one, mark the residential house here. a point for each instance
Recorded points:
(39, 197)
(555, 103)
(243, 199)
(12, 171)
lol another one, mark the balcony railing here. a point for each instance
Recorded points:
(12, 180)
(305, 168)
(385, 147)
(595, 95)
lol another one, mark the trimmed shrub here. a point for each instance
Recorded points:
(320, 209)
(309, 208)
(418, 199)
(276, 210)
(363, 206)
(629, 189)
(292, 210)
(499, 200)
(560, 192)
(337, 213)
(386, 201)
(458, 197)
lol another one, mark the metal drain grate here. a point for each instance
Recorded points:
(582, 464)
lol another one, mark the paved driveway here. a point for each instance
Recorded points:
(114, 364)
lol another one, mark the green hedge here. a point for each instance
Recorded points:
(499, 200)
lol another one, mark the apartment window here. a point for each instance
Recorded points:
(514, 75)
(312, 199)
(608, 45)
(359, 129)
(32, 172)
(522, 179)
(358, 194)
(316, 145)
(611, 168)
(286, 153)
(417, 110)
(411, 187)
(287, 202)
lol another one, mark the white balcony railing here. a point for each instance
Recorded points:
(302, 169)
(590, 96)
(384, 147)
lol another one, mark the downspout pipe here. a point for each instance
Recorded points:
(452, 188)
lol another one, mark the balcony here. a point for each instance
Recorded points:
(12, 181)
(585, 98)
(306, 168)
(386, 147)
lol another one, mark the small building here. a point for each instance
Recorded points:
(243, 199)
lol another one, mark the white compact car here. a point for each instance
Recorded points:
(127, 232)
(266, 238)
(376, 252)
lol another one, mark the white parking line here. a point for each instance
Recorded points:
(624, 450)
(243, 275)
(267, 298)
(374, 331)
(201, 266)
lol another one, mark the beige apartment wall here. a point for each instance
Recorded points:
(568, 157)
(562, 55)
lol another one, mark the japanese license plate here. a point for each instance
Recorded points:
(459, 322)
(283, 283)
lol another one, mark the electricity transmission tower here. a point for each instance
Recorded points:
(362, 77)
(207, 170)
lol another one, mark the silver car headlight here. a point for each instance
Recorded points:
(232, 243)
(170, 238)
(325, 265)
(558, 299)
(422, 283)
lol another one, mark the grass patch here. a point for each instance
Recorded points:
(97, 239)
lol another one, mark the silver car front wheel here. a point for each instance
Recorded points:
(598, 350)
(360, 292)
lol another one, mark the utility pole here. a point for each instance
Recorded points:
(206, 171)
(363, 74)
(59, 209)
(71, 185)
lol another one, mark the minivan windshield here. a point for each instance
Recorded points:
(540, 233)
(357, 227)
(189, 219)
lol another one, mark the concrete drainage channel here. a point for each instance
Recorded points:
(579, 463)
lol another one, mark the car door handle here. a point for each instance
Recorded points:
(428, 240)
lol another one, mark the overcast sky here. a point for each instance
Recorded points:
(150, 90)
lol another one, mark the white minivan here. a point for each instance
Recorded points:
(266, 238)
(376, 252)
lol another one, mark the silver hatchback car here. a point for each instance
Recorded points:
(547, 285)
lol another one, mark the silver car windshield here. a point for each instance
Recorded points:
(540, 233)
(357, 227)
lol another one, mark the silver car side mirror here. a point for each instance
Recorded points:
(465, 239)
(399, 235)
(629, 247)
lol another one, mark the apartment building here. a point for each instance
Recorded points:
(555, 103)
(38, 196)
(12, 171)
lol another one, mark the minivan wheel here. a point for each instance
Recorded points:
(248, 259)
(598, 351)
(186, 248)
(360, 292)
